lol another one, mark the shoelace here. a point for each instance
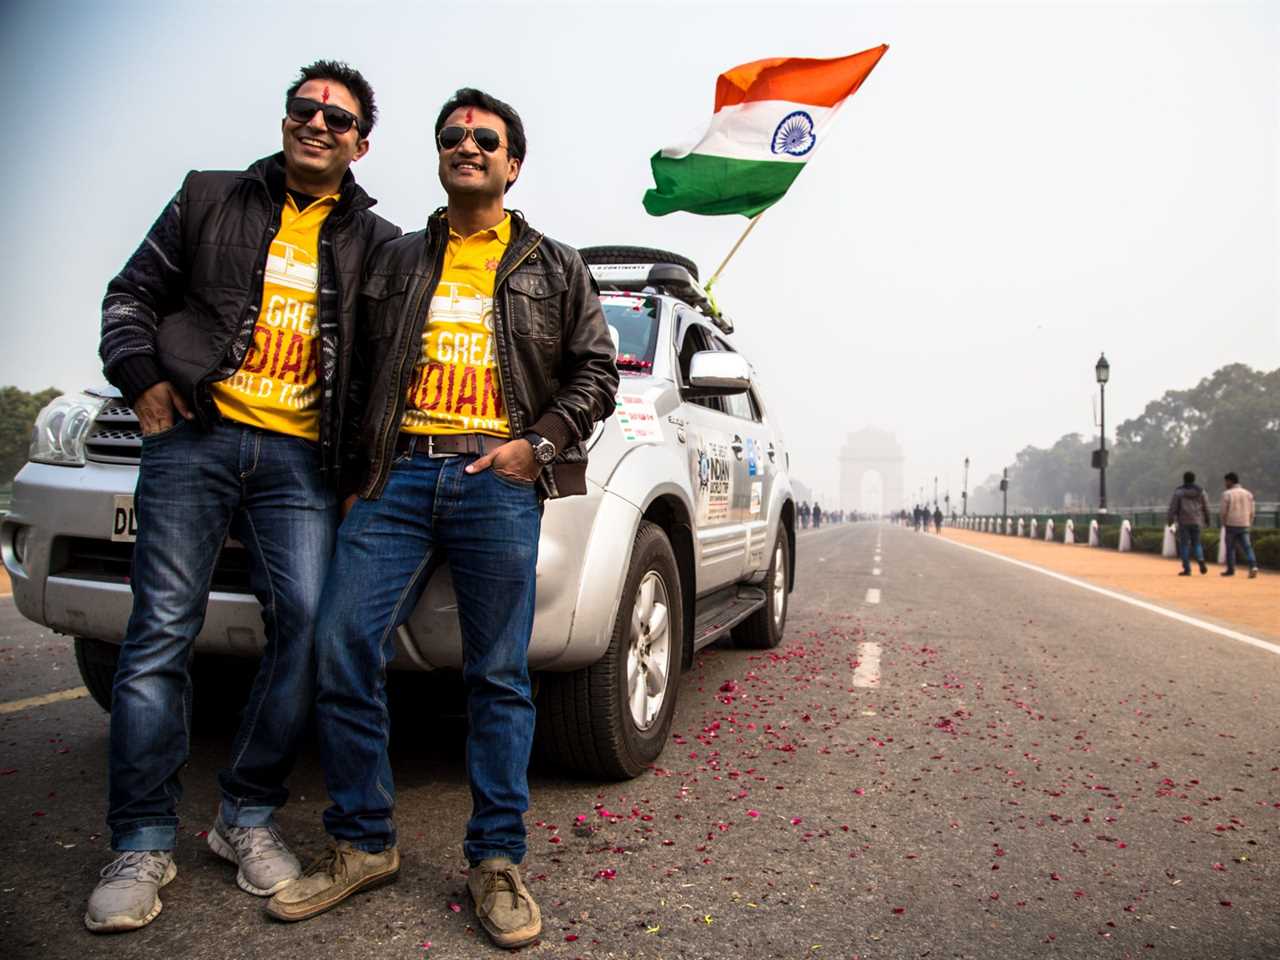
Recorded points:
(142, 865)
(255, 843)
(331, 863)
(504, 879)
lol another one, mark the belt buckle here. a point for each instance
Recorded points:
(432, 453)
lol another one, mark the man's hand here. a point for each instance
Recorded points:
(156, 406)
(514, 460)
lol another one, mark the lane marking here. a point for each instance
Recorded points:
(1132, 601)
(873, 595)
(875, 571)
(868, 672)
(13, 706)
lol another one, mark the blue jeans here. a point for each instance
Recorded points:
(486, 528)
(1188, 537)
(193, 489)
(1239, 536)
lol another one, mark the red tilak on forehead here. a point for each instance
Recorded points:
(324, 97)
(470, 113)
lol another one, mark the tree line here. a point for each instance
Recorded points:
(1230, 420)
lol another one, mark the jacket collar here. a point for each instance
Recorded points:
(269, 171)
(523, 236)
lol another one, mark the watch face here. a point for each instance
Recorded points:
(545, 451)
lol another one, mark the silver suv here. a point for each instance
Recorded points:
(686, 533)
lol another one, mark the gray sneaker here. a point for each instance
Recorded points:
(128, 895)
(266, 864)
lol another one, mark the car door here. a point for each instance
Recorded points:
(717, 473)
(756, 454)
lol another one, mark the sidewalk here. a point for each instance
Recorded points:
(1250, 606)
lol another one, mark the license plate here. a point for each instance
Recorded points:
(124, 522)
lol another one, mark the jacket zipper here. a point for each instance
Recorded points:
(500, 331)
(397, 410)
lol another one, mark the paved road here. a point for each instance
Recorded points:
(984, 763)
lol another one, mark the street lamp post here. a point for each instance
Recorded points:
(1102, 370)
(964, 494)
(935, 491)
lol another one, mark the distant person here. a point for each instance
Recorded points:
(817, 516)
(804, 514)
(1189, 508)
(937, 520)
(230, 332)
(1237, 518)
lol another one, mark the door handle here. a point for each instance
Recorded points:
(737, 446)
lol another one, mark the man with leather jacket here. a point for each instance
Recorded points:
(489, 362)
(229, 332)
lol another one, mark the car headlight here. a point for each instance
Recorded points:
(61, 429)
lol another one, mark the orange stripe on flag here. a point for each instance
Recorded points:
(820, 83)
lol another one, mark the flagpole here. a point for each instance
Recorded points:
(720, 269)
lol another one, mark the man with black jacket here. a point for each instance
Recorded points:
(1189, 509)
(490, 362)
(229, 332)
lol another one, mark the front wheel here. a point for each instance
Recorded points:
(611, 720)
(763, 629)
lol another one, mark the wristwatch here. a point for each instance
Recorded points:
(544, 451)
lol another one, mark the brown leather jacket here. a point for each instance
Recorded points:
(556, 358)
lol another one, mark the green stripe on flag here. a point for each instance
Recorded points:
(717, 185)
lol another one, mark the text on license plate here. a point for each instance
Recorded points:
(124, 522)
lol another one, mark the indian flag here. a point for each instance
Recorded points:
(770, 115)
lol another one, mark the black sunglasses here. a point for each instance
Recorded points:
(302, 109)
(486, 138)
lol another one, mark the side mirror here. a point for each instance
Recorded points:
(716, 374)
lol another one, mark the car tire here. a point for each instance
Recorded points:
(97, 662)
(763, 629)
(610, 255)
(221, 684)
(612, 719)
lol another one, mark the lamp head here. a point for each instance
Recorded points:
(1102, 369)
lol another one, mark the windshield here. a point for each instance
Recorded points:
(635, 320)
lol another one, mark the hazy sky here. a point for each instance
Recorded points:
(1016, 187)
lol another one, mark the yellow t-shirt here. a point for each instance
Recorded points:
(277, 386)
(455, 386)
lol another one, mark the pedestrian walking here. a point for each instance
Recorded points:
(1189, 509)
(460, 449)
(937, 520)
(817, 515)
(1236, 517)
(229, 331)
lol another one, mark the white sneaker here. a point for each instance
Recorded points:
(128, 895)
(267, 865)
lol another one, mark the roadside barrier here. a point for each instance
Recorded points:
(1020, 526)
(1222, 548)
(1032, 532)
(1169, 548)
(1069, 533)
(1126, 537)
(1048, 530)
(1094, 540)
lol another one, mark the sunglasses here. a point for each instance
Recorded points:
(486, 138)
(302, 109)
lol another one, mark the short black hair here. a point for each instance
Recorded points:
(349, 77)
(471, 97)
(1188, 477)
(1231, 477)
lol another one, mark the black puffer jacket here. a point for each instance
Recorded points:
(184, 307)
(556, 358)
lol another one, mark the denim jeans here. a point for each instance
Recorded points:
(486, 528)
(193, 489)
(1239, 536)
(1189, 537)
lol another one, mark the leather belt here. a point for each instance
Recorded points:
(446, 445)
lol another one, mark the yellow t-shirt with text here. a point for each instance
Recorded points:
(455, 387)
(277, 386)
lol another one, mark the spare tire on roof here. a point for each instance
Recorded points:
(615, 255)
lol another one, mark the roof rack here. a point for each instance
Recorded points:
(661, 278)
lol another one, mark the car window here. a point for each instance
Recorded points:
(740, 406)
(636, 321)
(695, 339)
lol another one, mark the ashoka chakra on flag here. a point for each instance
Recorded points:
(769, 116)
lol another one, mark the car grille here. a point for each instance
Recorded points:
(85, 558)
(115, 436)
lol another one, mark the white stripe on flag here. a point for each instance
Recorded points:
(745, 131)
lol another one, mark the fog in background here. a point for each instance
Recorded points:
(1016, 187)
